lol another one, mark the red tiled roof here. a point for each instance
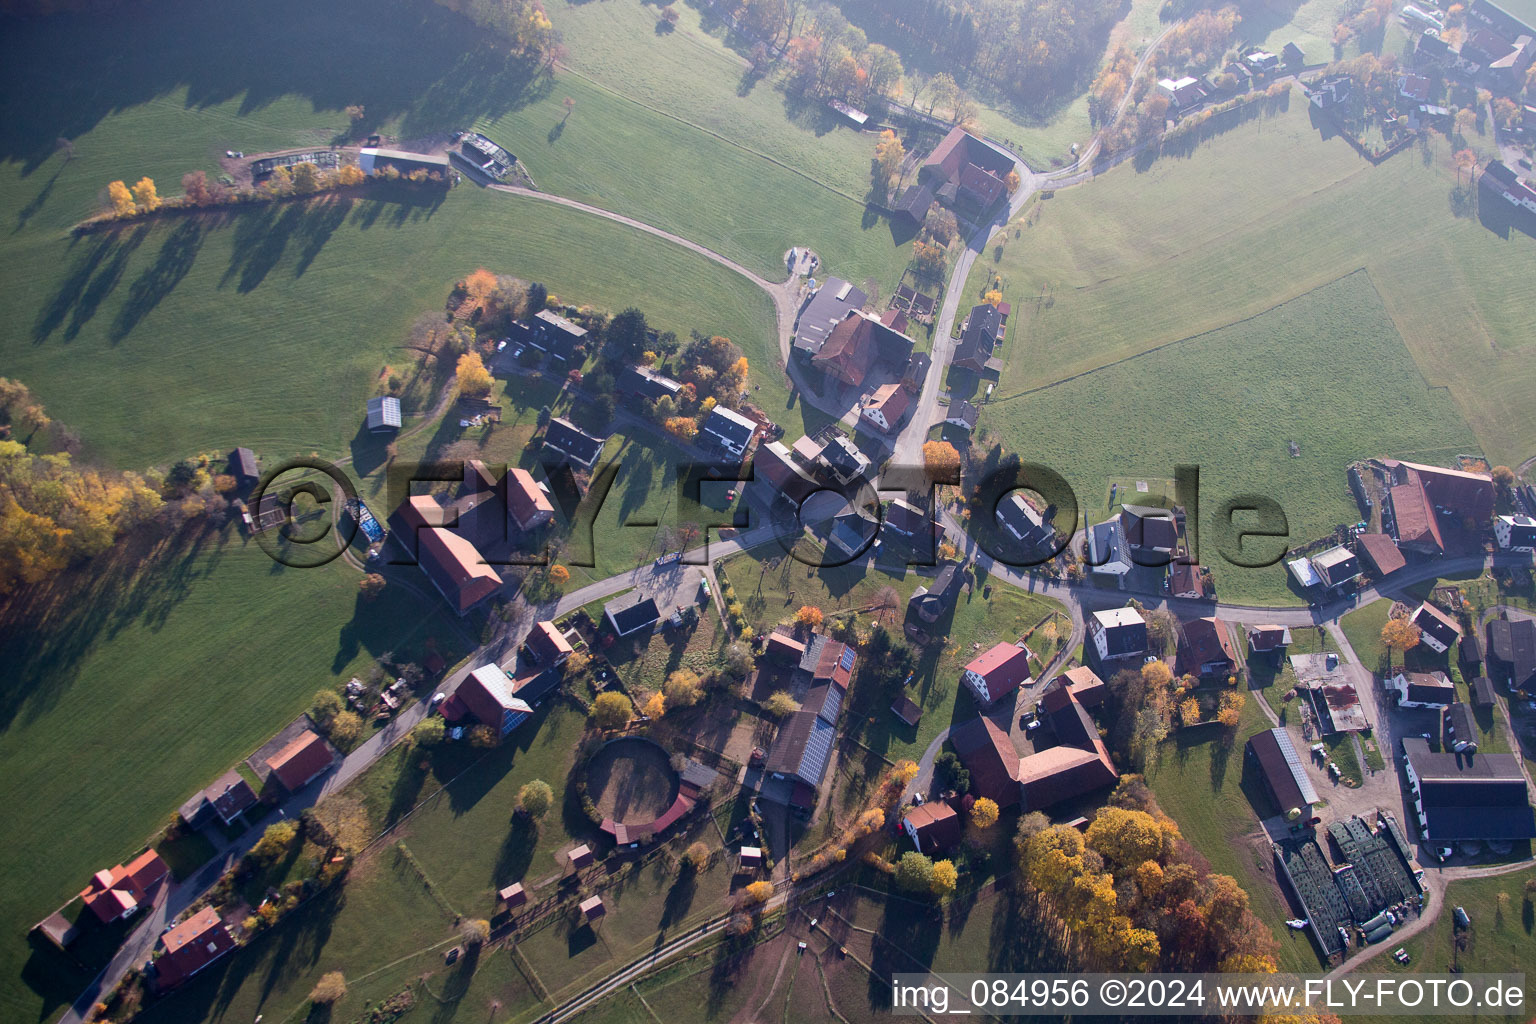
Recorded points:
(526, 500)
(1004, 667)
(991, 758)
(1414, 517)
(453, 562)
(146, 870)
(1085, 685)
(1184, 578)
(191, 946)
(547, 642)
(111, 903)
(891, 401)
(1266, 638)
(937, 825)
(306, 756)
(1456, 489)
(1204, 640)
(895, 319)
(1382, 551)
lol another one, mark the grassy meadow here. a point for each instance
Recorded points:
(1230, 400)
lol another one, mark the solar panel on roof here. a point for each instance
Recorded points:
(846, 661)
(1293, 762)
(818, 747)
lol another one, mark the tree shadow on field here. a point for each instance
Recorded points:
(907, 939)
(441, 70)
(98, 267)
(157, 281)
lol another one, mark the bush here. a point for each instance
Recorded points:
(534, 798)
(275, 841)
(324, 708)
(346, 729)
(612, 710)
(780, 703)
(474, 932)
(330, 989)
(429, 732)
(757, 894)
(914, 872)
(696, 857)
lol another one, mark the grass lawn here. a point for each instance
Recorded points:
(1201, 780)
(1386, 407)
(1362, 627)
(160, 674)
(1142, 258)
(1497, 942)
(664, 653)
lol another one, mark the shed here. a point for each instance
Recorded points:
(513, 896)
(383, 414)
(750, 858)
(907, 710)
(592, 908)
(580, 857)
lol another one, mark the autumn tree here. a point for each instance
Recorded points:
(534, 798)
(1399, 635)
(429, 732)
(655, 706)
(993, 298)
(984, 813)
(941, 461)
(330, 989)
(120, 198)
(559, 575)
(612, 710)
(757, 894)
(696, 857)
(276, 840)
(809, 615)
(1503, 476)
(474, 931)
(346, 729)
(1157, 674)
(324, 707)
(371, 586)
(904, 771)
(1231, 710)
(1189, 711)
(1012, 181)
(682, 427)
(683, 688)
(869, 822)
(914, 872)
(474, 379)
(889, 153)
(780, 703)
(945, 878)
(145, 194)
(1124, 837)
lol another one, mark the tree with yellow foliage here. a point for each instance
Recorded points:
(1189, 711)
(683, 427)
(474, 379)
(1399, 635)
(993, 298)
(559, 574)
(870, 821)
(350, 174)
(889, 153)
(1231, 709)
(756, 894)
(941, 461)
(655, 706)
(904, 771)
(145, 194)
(1157, 675)
(809, 615)
(120, 198)
(683, 688)
(984, 813)
(1125, 837)
(945, 878)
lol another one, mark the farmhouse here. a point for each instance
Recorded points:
(973, 351)
(1280, 769)
(644, 382)
(962, 414)
(1337, 566)
(998, 672)
(383, 414)
(1205, 649)
(803, 746)
(828, 305)
(226, 799)
(1079, 764)
(1421, 689)
(631, 613)
(857, 344)
(967, 171)
(1515, 533)
(1265, 639)
(547, 645)
(305, 758)
(527, 504)
(933, 826)
(555, 336)
(1469, 798)
(1437, 630)
(1511, 653)
(1182, 93)
(1451, 492)
(487, 697)
(189, 947)
(913, 204)
(1413, 521)
(929, 604)
(564, 442)
(450, 560)
(372, 160)
(1020, 521)
(1117, 638)
(1380, 552)
(886, 407)
(991, 758)
(113, 895)
(777, 467)
(783, 648)
(727, 430)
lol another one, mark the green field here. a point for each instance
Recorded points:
(1229, 401)
(149, 682)
(1498, 942)
(1148, 255)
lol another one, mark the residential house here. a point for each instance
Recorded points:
(998, 672)
(916, 373)
(1380, 552)
(727, 431)
(779, 470)
(933, 827)
(116, 893)
(1510, 653)
(852, 531)
(911, 522)
(1268, 639)
(967, 171)
(930, 604)
(828, 306)
(1183, 93)
(487, 697)
(227, 798)
(1019, 519)
(558, 338)
(527, 504)
(1281, 772)
(1151, 534)
(1508, 184)
(302, 760)
(1337, 566)
(631, 613)
(1413, 87)
(1291, 54)
(1468, 799)
(547, 645)
(1515, 533)
(1437, 630)
(859, 343)
(242, 466)
(842, 459)
(1331, 92)
(989, 754)
(451, 561)
(962, 414)
(1205, 649)
(1117, 638)
(189, 947)
(1261, 61)
(564, 442)
(1431, 49)
(384, 415)
(886, 407)
(1108, 553)
(1184, 580)
(1421, 689)
(973, 351)
(647, 384)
